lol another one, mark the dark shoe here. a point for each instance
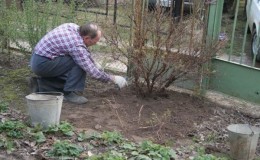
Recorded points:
(33, 85)
(74, 98)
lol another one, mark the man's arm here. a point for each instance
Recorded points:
(82, 57)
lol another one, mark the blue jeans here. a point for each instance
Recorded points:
(61, 74)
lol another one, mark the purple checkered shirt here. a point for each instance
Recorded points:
(65, 40)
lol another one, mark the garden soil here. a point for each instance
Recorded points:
(176, 118)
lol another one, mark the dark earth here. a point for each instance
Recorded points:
(177, 119)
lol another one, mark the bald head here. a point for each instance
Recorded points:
(90, 33)
(89, 29)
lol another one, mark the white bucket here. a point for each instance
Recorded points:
(243, 140)
(45, 108)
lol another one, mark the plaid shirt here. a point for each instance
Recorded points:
(65, 40)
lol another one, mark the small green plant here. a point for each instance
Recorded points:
(155, 151)
(144, 151)
(52, 129)
(88, 136)
(82, 136)
(39, 137)
(37, 128)
(65, 149)
(12, 129)
(129, 146)
(112, 137)
(93, 136)
(211, 137)
(120, 149)
(7, 144)
(3, 106)
(37, 133)
(64, 127)
(200, 150)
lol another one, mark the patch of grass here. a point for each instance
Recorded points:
(131, 151)
(14, 85)
(211, 137)
(8, 145)
(39, 137)
(112, 137)
(90, 136)
(155, 151)
(3, 106)
(64, 127)
(13, 129)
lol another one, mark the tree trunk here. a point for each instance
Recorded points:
(138, 24)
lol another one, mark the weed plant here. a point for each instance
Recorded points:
(64, 128)
(3, 106)
(65, 149)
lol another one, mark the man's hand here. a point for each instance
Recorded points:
(119, 81)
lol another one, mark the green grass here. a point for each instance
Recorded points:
(14, 85)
